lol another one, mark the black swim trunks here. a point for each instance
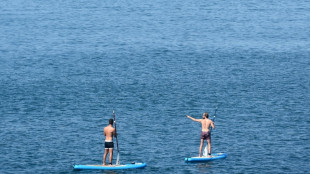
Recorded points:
(108, 145)
(206, 135)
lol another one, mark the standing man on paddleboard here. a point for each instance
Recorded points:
(109, 132)
(205, 131)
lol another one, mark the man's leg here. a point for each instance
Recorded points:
(201, 145)
(105, 155)
(209, 146)
(111, 155)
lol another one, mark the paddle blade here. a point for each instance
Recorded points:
(117, 159)
(205, 151)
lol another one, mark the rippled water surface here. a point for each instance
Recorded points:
(65, 65)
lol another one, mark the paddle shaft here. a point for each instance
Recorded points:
(115, 132)
(213, 119)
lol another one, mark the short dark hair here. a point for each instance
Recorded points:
(111, 121)
(206, 114)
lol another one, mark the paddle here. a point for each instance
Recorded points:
(117, 159)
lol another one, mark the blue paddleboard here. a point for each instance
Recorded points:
(214, 156)
(110, 167)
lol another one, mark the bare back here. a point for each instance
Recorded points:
(109, 132)
(205, 124)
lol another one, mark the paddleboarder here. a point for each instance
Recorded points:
(205, 131)
(109, 132)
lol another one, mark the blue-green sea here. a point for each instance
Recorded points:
(66, 65)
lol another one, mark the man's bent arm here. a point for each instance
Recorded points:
(114, 133)
(212, 124)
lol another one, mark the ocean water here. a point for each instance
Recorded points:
(66, 65)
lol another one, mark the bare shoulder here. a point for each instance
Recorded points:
(111, 129)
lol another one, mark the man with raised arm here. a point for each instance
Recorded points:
(205, 131)
(109, 132)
